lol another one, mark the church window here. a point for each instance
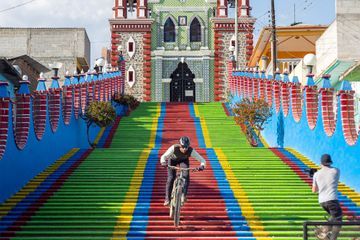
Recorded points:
(169, 31)
(131, 46)
(131, 76)
(195, 31)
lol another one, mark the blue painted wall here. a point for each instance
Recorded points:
(284, 131)
(17, 167)
(314, 143)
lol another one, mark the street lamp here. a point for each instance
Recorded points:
(310, 61)
(55, 66)
(100, 62)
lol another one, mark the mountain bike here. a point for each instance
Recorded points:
(177, 194)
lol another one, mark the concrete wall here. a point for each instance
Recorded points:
(46, 45)
(348, 31)
(326, 48)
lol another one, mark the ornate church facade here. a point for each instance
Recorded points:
(178, 50)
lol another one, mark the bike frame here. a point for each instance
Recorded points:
(176, 193)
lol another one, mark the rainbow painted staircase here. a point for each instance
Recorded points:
(117, 191)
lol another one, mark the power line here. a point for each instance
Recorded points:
(16, 6)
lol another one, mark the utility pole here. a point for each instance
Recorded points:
(294, 13)
(236, 31)
(274, 41)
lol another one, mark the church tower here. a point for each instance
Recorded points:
(131, 41)
(225, 41)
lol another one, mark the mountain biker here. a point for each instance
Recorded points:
(179, 154)
(325, 182)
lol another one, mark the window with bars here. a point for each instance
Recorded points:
(195, 31)
(169, 31)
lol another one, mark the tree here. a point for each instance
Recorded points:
(100, 113)
(252, 115)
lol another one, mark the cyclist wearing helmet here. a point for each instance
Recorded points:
(179, 154)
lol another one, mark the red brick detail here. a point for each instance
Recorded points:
(147, 66)
(262, 90)
(116, 40)
(242, 86)
(106, 83)
(112, 86)
(247, 88)
(230, 78)
(101, 84)
(256, 88)
(285, 101)
(39, 113)
(54, 108)
(21, 121)
(67, 103)
(328, 111)
(218, 89)
(83, 96)
(269, 92)
(76, 100)
(95, 91)
(277, 100)
(311, 105)
(121, 79)
(296, 101)
(4, 124)
(347, 106)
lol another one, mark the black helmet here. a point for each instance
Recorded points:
(184, 142)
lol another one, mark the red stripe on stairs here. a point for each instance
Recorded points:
(204, 214)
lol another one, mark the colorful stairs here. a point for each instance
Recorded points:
(274, 188)
(117, 192)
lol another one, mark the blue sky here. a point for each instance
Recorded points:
(94, 14)
(307, 11)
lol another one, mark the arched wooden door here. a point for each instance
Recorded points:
(182, 85)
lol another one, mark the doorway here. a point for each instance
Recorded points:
(182, 85)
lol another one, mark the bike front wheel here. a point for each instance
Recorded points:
(177, 206)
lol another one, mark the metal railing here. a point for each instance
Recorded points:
(351, 234)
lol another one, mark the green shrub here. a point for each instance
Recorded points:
(127, 100)
(101, 113)
(252, 115)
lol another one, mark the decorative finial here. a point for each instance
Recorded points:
(41, 76)
(67, 73)
(25, 78)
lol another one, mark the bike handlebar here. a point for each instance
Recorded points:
(183, 169)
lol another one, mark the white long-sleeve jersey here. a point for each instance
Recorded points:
(169, 154)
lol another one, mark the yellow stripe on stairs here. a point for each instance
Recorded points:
(203, 127)
(246, 207)
(128, 205)
(97, 139)
(34, 183)
(345, 190)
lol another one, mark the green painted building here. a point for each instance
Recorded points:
(179, 50)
